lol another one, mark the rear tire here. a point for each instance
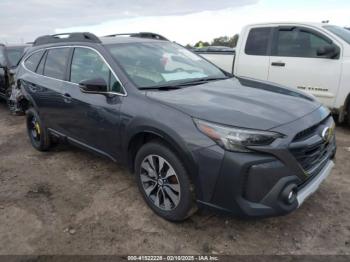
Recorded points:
(163, 182)
(38, 134)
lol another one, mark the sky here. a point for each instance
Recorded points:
(183, 21)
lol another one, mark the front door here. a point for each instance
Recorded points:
(92, 119)
(294, 63)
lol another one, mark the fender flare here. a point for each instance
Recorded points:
(177, 143)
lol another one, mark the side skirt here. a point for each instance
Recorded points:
(80, 144)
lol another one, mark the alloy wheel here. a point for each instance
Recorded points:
(160, 182)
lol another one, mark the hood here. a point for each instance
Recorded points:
(239, 102)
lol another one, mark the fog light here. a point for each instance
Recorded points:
(289, 194)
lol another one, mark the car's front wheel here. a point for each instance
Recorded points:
(38, 134)
(164, 182)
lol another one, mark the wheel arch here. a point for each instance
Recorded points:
(140, 138)
(27, 100)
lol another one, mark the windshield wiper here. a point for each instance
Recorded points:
(204, 80)
(161, 87)
(182, 84)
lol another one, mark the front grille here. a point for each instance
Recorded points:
(312, 159)
(311, 151)
(309, 131)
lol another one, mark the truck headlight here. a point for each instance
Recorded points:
(236, 139)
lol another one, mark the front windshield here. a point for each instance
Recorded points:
(152, 64)
(339, 31)
(14, 54)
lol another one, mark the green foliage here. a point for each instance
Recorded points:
(201, 44)
(226, 41)
(219, 41)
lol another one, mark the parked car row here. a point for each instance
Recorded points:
(311, 57)
(193, 134)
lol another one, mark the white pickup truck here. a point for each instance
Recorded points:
(311, 57)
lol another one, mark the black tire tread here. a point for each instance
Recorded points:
(45, 141)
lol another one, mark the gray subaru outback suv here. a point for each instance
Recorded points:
(193, 135)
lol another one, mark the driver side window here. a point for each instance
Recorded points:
(298, 42)
(87, 64)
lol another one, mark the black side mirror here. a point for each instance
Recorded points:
(96, 85)
(329, 51)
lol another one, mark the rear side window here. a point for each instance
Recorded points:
(299, 43)
(56, 63)
(258, 41)
(87, 64)
(32, 62)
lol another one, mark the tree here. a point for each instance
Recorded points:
(201, 44)
(234, 40)
(226, 41)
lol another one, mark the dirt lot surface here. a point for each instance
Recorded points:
(68, 201)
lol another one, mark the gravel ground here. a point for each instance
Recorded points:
(68, 201)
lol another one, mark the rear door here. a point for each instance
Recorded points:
(253, 57)
(47, 87)
(92, 119)
(294, 63)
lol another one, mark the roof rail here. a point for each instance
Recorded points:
(141, 35)
(66, 37)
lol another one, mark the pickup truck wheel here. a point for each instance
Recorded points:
(38, 134)
(348, 116)
(163, 182)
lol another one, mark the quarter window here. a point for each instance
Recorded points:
(299, 43)
(40, 69)
(87, 64)
(258, 41)
(56, 63)
(32, 62)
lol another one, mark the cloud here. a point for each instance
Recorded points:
(190, 28)
(29, 19)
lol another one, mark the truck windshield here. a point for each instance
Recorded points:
(152, 64)
(339, 31)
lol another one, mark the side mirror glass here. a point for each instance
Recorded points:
(96, 85)
(329, 51)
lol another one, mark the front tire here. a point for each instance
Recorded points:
(38, 134)
(163, 182)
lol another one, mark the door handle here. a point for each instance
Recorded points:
(278, 64)
(67, 98)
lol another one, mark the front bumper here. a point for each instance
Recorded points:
(311, 187)
(257, 184)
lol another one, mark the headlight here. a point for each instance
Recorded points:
(236, 139)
